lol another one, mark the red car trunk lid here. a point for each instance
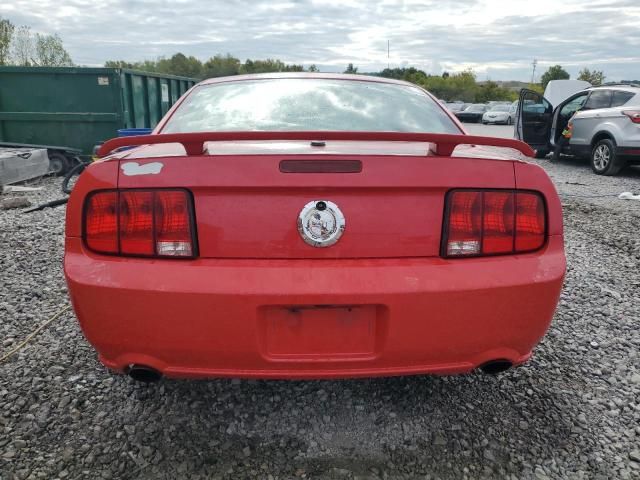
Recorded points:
(247, 207)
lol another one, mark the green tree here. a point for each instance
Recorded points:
(410, 74)
(23, 47)
(595, 77)
(536, 87)
(351, 69)
(313, 68)
(489, 91)
(269, 65)
(221, 66)
(50, 52)
(457, 86)
(118, 64)
(6, 34)
(554, 73)
(180, 64)
(144, 66)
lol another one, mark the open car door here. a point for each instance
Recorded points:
(533, 121)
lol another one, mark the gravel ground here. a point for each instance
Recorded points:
(573, 412)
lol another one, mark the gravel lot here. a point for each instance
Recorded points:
(573, 412)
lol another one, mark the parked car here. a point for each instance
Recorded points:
(501, 113)
(473, 113)
(456, 107)
(606, 129)
(272, 227)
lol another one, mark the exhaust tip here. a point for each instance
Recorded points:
(495, 366)
(144, 374)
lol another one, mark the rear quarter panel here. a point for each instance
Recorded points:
(97, 176)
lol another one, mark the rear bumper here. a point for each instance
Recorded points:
(631, 154)
(210, 318)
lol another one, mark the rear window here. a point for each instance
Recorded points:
(299, 104)
(620, 98)
(477, 108)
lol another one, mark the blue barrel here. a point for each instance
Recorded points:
(132, 132)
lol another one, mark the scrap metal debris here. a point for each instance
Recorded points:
(18, 189)
(14, 202)
(628, 196)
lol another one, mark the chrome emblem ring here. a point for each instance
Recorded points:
(321, 223)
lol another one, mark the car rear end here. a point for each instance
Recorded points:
(607, 129)
(629, 123)
(198, 264)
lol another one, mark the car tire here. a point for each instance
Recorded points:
(604, 160)
(57, 163)
(509, 121)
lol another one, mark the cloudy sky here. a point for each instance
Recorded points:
(498, 39)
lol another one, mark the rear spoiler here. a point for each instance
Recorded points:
(193, 143)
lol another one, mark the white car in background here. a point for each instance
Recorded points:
(501, 113)
(605, 129)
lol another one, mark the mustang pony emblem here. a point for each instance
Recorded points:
(321, 223)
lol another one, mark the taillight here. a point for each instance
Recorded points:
(634, 115)
(493, 222)
(101, 222)
(150, 223)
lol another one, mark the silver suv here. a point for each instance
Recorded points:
(606, 128)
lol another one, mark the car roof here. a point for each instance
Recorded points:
(326, 76)
(621, 87)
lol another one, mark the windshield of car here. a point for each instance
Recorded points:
(476, 108)
(500, 108)
(305, 104)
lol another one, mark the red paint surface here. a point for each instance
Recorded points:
(217, 315)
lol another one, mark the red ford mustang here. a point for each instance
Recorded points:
(312, 226)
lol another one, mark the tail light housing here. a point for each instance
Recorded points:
(145, 223)
(493, 222)
(634, 115)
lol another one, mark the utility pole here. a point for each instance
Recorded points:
(533, 73)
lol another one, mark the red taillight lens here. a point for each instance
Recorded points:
(136, 223)
(140, 222)
(498, 221)
(531, 222)
(101, 222)
(634, 115)
(493, 222)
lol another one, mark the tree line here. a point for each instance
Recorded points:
(20, 46)
(556, 72)
(462, 86)
(458, 86)
(217, 66)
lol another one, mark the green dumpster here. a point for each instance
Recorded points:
(81, 107)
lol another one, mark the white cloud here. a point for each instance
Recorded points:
(497, 39)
